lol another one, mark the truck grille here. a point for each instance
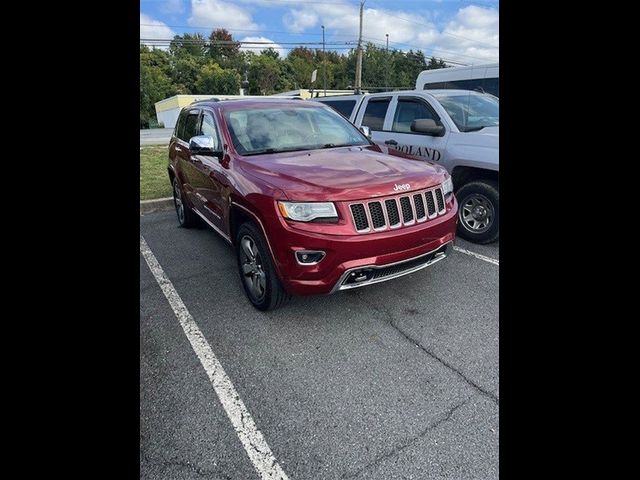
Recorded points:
(401, 210)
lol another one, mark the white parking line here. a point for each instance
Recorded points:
(252, 440)
(477, 255)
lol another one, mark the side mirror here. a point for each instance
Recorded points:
(204, 145)
(427, 126)
(366, 130)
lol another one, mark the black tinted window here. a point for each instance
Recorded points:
(406, 112)
(375, 113)
(492, 86)
(190, 127)
(486, 85)
(343, 107)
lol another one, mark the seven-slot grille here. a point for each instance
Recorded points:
(378, 215)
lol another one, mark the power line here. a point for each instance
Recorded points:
(432, 48)
(191, 41)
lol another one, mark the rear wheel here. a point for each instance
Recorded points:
(479, 211)
(186, 217)
(259, 279)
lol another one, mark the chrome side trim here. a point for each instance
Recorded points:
(222, 234)
(338, 286)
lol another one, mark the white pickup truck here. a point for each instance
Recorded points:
(457, 129)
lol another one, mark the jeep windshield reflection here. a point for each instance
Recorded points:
(283, 129)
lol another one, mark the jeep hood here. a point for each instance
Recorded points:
(341, 174)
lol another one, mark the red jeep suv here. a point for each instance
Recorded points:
(309, 203)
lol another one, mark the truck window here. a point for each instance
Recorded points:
(407, 111)
(190, 127)
(375, 113)
(343, 107)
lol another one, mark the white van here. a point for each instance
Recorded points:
(457, 129)
(481, 78)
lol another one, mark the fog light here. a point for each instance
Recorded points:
(309, 257)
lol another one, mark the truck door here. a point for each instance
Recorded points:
(210, 179)
(404, 110)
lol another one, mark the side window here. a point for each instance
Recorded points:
(492, 86)
(208, 126)
(375, 113)
(190, 127)
(432, 86)
(407, 111)
(180, 125)
(343, 107)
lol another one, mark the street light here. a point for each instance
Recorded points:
(387, 41)
(324, 65)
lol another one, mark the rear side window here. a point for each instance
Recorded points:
(190, 128)
(343, 107)
(180, 125)
(375, 113)
(407, 111)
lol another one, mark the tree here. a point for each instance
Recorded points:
(192, 44)
(434, 64)
(155, 85)
(264, 73)
(214, 79)
(220, 51)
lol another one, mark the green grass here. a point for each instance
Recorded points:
(154, 180)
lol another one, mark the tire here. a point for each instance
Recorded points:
(260, 282)
(186, 217)
(479, 211)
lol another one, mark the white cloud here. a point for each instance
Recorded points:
(257, 48)
(217, 13)
(297, 21)
(473, 32)
(154, 29)
(471, 36)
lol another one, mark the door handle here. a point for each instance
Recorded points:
(390, 142)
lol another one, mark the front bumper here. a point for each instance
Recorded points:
(380, 256)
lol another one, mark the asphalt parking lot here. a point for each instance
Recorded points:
(397, 380)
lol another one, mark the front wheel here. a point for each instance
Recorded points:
(258, 276)
(479, 211)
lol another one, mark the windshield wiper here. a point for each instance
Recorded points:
(474, 129)
(272, 150)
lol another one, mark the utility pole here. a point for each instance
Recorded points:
(386, 70)
(324, 64)
(359, 61)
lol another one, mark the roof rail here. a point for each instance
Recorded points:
(212, 99)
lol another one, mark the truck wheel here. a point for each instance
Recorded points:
(257, 274)
(186, 217)
(479, 211)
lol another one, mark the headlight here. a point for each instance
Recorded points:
(308, 211)
(447, 186)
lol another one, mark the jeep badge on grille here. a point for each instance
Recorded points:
(399, 188)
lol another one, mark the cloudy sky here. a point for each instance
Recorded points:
(464, 32)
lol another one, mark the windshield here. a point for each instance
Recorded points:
(287, 128)
(471, 112)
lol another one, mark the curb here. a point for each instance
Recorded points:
(156, 205)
